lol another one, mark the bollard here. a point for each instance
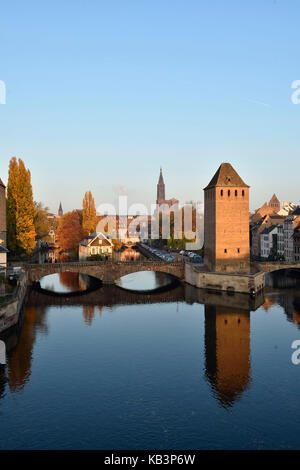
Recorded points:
(2, 353)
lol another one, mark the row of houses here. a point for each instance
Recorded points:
(275, 232)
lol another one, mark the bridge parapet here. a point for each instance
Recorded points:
(106, 271)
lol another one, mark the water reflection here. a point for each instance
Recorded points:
(227, 351)
(68, 282)
(227, 331)
(20, 342)
(129, 254)
(224, 339)
(145, 281)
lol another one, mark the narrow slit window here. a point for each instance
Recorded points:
(243, 193)
(221, 192)
(228, 192)
(235, 193)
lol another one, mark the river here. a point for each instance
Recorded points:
(121, 368)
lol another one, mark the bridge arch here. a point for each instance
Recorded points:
(269, 267)
(69, 284)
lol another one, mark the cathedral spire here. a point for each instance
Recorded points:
(60, 211)
(161, 178)
(160, 188)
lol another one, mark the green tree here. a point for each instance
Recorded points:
(89, 214)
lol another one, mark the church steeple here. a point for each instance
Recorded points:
(161, 196)
(60, 211)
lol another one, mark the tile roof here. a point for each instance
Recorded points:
(226, 176)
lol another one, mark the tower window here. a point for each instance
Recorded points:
(238, 250)
(243, 193)
(235, 192)
(228, 192)
(225, 250)
(221, 192)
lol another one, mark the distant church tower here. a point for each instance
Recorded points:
(161, 195)
(274, 203)
(2, 215)
(226, 222)
(60, 211)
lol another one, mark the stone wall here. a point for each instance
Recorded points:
(245, 283)
(10, 310)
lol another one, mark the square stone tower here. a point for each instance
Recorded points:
(226, 222)
(2, 214)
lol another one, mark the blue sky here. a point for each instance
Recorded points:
(100, 94)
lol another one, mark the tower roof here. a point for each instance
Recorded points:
(1, 183)
(161, 178)
(274, 199)
(226, 176)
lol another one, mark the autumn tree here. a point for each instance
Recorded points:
(11, 204)
(69, 231)
(20, 209)
(41, 222)
(89, 214)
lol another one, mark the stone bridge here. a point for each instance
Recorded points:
(106, 271)
(271, 266)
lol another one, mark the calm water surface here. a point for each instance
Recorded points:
(179, 369)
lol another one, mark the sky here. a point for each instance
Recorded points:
(100, 94)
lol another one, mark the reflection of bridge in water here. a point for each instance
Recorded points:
(227, 332)
(108, 296)
(227, 326)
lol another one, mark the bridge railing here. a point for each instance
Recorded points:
(89, 263)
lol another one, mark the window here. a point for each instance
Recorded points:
(228, 192)
(243, 193)
(238, 250)
(225, 250)
(235, 193)
(221, 192)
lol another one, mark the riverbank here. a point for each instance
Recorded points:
(12, 304)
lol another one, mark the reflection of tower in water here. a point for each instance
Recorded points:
(227, 351)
